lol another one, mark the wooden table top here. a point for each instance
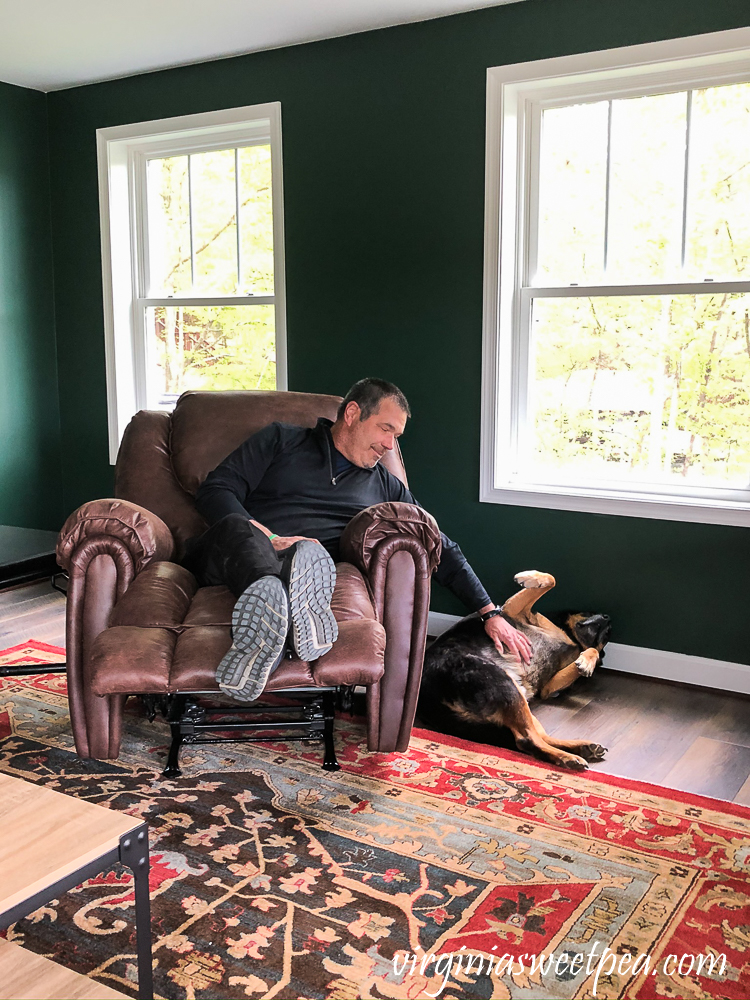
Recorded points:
(26, 976)
(45, 836)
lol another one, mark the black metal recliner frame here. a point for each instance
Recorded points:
(188, 720)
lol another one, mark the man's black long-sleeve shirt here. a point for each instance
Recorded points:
(285, 478)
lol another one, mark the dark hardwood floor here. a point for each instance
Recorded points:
(693, 739)
(32, 611)
(690, 738)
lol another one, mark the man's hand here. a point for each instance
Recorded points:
(502, 634)
(281, 542)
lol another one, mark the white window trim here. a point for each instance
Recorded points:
(717, 57)
(121, 151)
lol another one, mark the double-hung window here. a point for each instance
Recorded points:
(192, 251)
(617, 282)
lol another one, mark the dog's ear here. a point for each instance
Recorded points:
(570, 623)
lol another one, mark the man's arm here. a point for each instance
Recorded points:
(227, 489)
(455, 573)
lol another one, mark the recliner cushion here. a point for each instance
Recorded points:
(144, 476)
(166, 634)
(351, 599)
(131, 660)
(160, 595)
(357, 657)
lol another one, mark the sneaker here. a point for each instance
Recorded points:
(312, 577)
(260, 622)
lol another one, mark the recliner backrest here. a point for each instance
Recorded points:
(164, 458)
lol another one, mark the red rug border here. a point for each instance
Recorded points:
(660, 791)
(512, 756)
(40, 647)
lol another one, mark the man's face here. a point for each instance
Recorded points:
(368, 440)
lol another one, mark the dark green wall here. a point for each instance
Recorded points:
(383, 137)
(30, 475)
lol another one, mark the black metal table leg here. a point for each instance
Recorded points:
(329, 753)
(134, 854)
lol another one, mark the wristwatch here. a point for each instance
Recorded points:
(490, 614)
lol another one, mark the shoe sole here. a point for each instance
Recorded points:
(312, 577)
(260, 622)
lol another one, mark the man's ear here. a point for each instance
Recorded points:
(351, 413)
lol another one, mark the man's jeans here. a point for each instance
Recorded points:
(235, 553)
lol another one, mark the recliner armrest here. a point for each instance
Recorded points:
(103, 545)
(145, 536)
(365, 534)
(397, 546)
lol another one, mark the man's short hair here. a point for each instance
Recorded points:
(369, 393)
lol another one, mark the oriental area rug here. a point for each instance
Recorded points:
(452, 870)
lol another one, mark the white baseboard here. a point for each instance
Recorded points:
(657, 663)
(437, 623)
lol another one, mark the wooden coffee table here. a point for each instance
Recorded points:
(51, 842)
(26, 976)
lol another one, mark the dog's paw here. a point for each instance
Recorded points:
(592, 752)
(586, 664)
(532, 579)
(571, 762)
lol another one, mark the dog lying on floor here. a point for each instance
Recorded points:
(466, 679)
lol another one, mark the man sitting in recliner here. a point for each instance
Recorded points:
(278, 506)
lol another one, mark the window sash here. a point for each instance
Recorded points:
(144, 393)
(516, 98)
(524, 474)
(187, 147)
(123, 155)
(208, 300)
(530, 148)
(155, 388)
(139, 160)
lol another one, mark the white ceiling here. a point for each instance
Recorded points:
(52, 44)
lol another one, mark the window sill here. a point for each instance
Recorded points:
(620, 502)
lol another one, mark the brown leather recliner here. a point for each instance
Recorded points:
(137, 622)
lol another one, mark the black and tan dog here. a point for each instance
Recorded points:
(465, 678)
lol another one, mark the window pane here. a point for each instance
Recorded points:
(646, 188)
(205, 182)
(642, 222)
(169, 225)
(214, 222)
(256, 220)
(208, 347)
(718, 243)
(572, 186)
(646, 389)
